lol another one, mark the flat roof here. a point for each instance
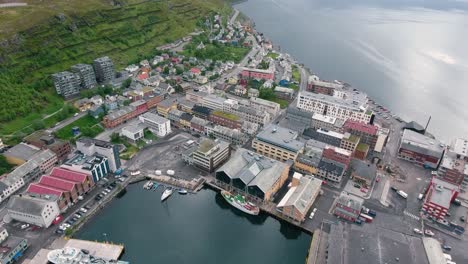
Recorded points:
(330, 133)
(325, 84)
(154, 118)
(363, 169)
(460, 147)
(361, 127)
(22, 151)
(97, 249)
(281, 137)
(354, 100)
(256, 70)
(324, 118)
(434, 252)
(441, 192)
(350, 201)
(411, 139)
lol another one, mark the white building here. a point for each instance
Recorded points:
(91, 146)
(3, 234)
(18, 178)
(156, 124)
(213, 102)
(353, 106)
(133, 132)
(264, 105)
(36, 210)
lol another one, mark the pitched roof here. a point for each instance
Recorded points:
(26, 204)
(68, 175)
(57, 183)
(361, 127)
(40, 189)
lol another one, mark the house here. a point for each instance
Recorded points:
(253, 92)
(363, 173)
(195, 71)
(83, 104)
(201, 79)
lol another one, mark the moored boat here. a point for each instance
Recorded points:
(166, 194)
(183, 191)
(148, 185)
(239, 202)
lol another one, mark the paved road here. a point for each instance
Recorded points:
(66, 122)
(234, 16)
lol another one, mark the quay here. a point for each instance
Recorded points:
(192, 186)
(265, 206)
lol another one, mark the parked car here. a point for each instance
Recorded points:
(77, 216)
(357, 185)
(446, 247)
(428, 232)
(82, 209)
(87, 207)
(394, 189)
(59, 231)
(107, 190)
(417, 231)
(456, 202)
(25, 226)
(81, 198)
(462, 218)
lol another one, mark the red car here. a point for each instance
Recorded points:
(364, 190)
(378, 179)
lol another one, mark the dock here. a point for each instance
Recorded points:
(193, 186)
(265, 206)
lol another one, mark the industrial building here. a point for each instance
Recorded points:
(438, 197)
(420, 149)
(253, 174)
(208, 154)
(91, 146)
(300, 197)
(38, 210)
(348, 207)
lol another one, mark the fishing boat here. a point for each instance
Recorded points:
(239, 202)
(166, 194)
(148, 185)
(182, 191)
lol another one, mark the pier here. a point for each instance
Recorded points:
(192, 186)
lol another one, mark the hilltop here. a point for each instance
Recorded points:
(48, 36)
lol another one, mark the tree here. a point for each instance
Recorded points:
(115, 138)
(126, 83)
(179, 70)
(38, 124)
(178, 89)
(166, 70)
(5, 167)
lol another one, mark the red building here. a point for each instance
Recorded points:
(84, 181)
(367, 132)
(348, 207)
(43, 140)
(153, 100)
(60, 184)
(337, 154)
(225, 119)
(258, 74)
(64, 199)
(323, 87)
(438, 197)
(125, 113)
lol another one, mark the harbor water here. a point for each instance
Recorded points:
(193, 228)
(409, 55)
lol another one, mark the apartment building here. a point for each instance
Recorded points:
(367, 133)
(225, 119)
(308, 161)
(278, 143)
(247, 113)
(258, 74)
(326, 122)
(352, 106)
(91, 146)
(66, 84)
(264, 105)
(322, 87)
(86, 74)
(156, 124)
(233, 136)
(213, 102)
(454, 165)
(104, 69)
(438, 197)
(43, 140)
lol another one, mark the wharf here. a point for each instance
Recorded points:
(193, 186)
(265, 206)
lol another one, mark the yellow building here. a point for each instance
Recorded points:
(165, 106)
(278, 143)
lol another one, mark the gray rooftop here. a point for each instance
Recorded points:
(253, 169)
(350, 201)
(280, 137)
(154, 118)
(22, 151)
(441, 192)
(28, 204)
(120, 112)
(133, 128)
(166, 103)
(10, 244)
(421, 144)
(20, 172)
(43, 156)
(299, 196)
(91, 141)
(363, 169)
(354, 100)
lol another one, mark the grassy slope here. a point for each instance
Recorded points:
(86, 122)
(126, 34)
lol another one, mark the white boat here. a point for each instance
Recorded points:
(148, 185)
(166, 194)
(183, 191)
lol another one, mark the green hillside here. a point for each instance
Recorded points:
(51, 35)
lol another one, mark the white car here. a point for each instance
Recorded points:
(417, 231)
(80, 198)
(83, 210)
(315, 210)
(311, 215)
(428, 232)
(24, 226)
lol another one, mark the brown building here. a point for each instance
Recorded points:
(43, 140)
(225, 119)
